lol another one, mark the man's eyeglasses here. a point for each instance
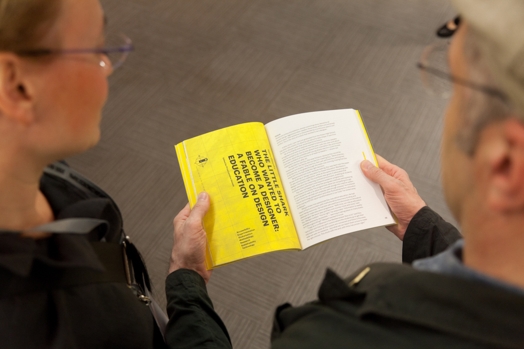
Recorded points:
(116, 51)
(436, 76)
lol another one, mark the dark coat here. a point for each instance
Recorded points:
(396, 306)
(39, 310)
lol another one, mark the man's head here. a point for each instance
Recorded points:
(499, 27)
(483, 141)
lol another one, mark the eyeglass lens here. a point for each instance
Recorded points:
(116, 45)
(436, 57)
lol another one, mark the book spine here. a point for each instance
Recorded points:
(367, 137)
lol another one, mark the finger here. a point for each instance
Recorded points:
(376, 174)
(392, 169)
(387, 166)
(182, 215)
(381, 161)
(202, 205)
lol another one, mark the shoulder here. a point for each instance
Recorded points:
(60, 182)
(395, 305)
(72, 195)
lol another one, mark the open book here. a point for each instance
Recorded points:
(289, 184)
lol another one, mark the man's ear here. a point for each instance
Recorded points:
(506, 166)
(15, 91)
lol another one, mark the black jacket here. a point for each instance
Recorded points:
(396, 306)
(56, 293)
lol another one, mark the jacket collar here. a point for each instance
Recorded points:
(461, 307)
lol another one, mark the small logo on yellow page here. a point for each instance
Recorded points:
(201, 161)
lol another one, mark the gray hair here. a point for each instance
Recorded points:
(480, 109)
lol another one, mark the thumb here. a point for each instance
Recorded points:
(202, 205)
(375, 174)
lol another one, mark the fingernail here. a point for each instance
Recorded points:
(202, 196)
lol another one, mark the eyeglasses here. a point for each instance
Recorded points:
(116, 51)
(436, 76)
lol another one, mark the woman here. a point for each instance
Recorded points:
(60, 286)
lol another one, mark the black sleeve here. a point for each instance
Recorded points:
(193, 322)
(427, 235)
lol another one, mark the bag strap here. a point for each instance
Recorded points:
(133, 262)
(71, 226)
(64, 226)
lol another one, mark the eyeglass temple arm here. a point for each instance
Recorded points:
(491, 91)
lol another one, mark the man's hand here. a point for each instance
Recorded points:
(189, 246)
(400, 194)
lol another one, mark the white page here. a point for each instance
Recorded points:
(318, 156)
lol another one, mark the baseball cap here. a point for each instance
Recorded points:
(500, 26)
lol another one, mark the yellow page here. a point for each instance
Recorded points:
(249, 213)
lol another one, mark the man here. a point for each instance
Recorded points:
(472, 294)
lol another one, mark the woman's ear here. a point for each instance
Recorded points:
(506, 167)
(16, 102)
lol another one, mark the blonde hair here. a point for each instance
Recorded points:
(23, 23)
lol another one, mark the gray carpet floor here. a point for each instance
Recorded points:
(200, 65)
